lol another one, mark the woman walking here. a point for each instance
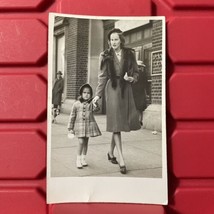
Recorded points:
(118, 71)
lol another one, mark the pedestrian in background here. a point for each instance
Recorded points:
(140, 91)
(82, 123)
(118, 71)
(57, 95)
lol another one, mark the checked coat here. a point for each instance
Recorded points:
(82, 120)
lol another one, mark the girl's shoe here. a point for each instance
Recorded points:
(123, 169)
(84, 163)
(79, 164)
(112, 159)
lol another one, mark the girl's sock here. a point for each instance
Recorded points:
(84, 163)
(78, 162)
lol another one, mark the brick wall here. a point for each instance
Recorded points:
(71, 49)
(156, 88)
(82, 52)
(76, 55)
(157, 35)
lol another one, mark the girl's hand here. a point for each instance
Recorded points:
(94, 101)
(71, 134)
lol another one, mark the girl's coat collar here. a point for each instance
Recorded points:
(83, 101)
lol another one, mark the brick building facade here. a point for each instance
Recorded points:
(156, 88)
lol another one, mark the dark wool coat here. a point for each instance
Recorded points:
(120, 107)
(140, 90)
(82, 120)
(57, 91)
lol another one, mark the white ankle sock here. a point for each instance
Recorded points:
(78, 162)
(84, 163)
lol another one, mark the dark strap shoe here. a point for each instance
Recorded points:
(123, 169)
(112, 159)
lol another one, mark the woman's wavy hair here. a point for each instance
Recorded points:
(120, 34)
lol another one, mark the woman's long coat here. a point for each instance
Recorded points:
(57, 91)
(120, 107)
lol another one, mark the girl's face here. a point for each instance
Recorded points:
(115, 41)
(86, 94)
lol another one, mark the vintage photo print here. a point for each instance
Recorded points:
(106, 110)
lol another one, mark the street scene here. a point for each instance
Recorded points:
(142, 152)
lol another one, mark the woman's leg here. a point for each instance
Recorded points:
(112, 147)
(140, 117)
(118, 143)
(110, 154)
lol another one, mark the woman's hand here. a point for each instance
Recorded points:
(94, 101)
(127, 78)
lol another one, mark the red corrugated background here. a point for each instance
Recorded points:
(190, 106)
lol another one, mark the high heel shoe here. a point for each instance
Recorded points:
(112, 159)
(123, 169)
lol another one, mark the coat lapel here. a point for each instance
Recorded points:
(122, 59)
(116, 59)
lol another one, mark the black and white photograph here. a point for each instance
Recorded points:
(106, 109)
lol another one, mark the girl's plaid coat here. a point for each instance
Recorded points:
(82, 120)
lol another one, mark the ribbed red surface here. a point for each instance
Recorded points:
(190, 91)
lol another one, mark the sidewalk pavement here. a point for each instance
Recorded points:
(141, 149)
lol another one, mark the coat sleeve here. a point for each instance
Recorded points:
(135, 68)
(72, 117)
(102, 77)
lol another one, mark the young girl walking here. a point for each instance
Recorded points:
(82, 122)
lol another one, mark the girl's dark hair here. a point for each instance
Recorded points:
(120, 34)
(81, 90)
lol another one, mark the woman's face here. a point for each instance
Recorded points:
(86, 94)
(115, 41)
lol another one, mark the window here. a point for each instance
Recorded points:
(138, 51)
(127, 39)
(137, 36)
(147, 33)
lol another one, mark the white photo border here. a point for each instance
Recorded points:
(97, 189)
